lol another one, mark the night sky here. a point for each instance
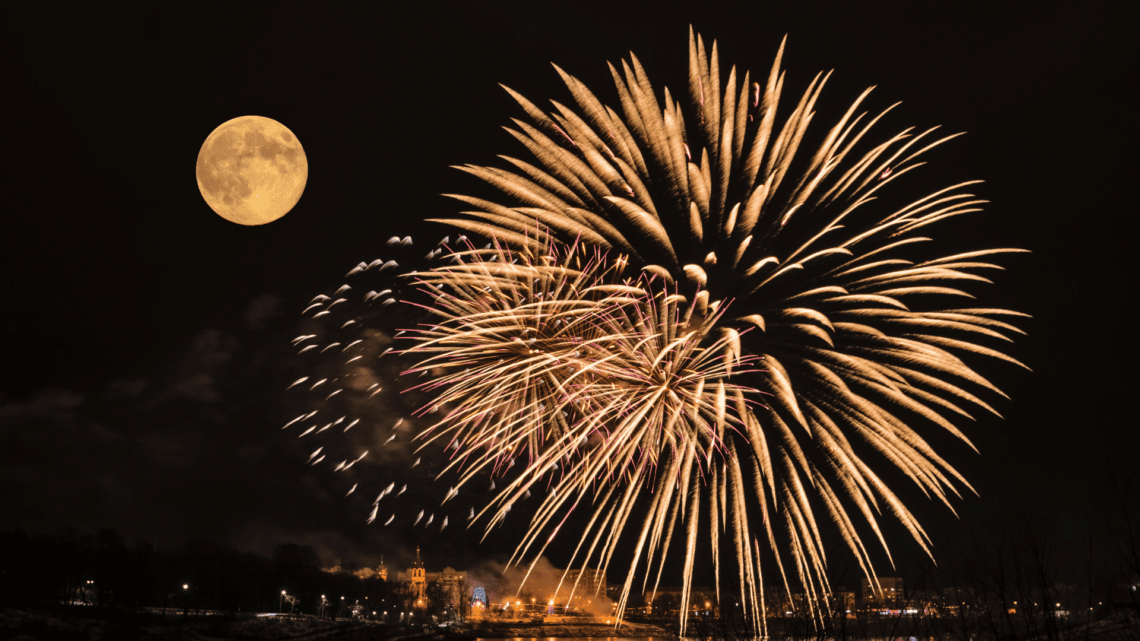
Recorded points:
(145, 340)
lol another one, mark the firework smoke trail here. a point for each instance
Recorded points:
(847, 312)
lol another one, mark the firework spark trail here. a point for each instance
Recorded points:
(762, 252)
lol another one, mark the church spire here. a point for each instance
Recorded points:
(382, 571)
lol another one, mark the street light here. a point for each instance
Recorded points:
(280, 601)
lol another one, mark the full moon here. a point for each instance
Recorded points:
(252, 170)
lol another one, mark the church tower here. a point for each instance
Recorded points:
(418, 576)
(382, 571)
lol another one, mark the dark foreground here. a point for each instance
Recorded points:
(91, 624)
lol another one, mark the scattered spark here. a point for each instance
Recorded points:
(299, 418)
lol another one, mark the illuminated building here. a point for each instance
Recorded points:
(666, 601)
(381, 571)
(420, 585)
(415, 578)
(586, 584)
(889, 594)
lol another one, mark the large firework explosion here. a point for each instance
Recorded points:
(602, 384)
(684, 318)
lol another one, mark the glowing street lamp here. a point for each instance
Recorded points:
(185, 600)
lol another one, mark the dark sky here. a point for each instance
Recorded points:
(145, 340)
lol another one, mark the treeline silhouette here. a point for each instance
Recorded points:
(70, 567)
